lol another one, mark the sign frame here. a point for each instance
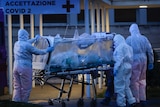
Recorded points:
(40, 6)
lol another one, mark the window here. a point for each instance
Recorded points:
(15, 19)
(153, 15)
(26, 18)
(55, 18)
(125, 15)
(81, 17)
(1, 34)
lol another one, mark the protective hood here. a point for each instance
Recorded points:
(118, 39)
(134, 30)
(23, 35)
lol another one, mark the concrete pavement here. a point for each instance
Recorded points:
(41, 95)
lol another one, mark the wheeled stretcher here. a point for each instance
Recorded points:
(85, 54)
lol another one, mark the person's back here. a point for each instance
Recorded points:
(22, 53)
(141, 51)
(139, 43)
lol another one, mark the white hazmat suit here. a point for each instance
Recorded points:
(141, 49)
(22, 70)
(122, 55)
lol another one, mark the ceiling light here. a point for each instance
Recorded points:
(143, 6)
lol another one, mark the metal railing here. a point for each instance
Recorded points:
(157, 52)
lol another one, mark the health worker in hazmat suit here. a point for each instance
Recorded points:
(22, 70)
(123, 57)
(141, 50)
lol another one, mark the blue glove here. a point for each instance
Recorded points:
(115, 72)
(37, 37)
(50, 49)
(150, 66)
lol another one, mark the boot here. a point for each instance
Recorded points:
(105, 101)
(133, 105)
(143, 103)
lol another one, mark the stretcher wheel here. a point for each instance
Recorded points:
(50, 102)
(63, 104)
(93, 103)
(80, 103)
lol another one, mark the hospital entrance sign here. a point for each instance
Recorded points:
(40, 6)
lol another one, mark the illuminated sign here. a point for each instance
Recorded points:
(40, 6)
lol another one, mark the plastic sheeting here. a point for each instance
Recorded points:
(84, 51)
(40, 61)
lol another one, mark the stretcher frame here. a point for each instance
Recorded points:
(63, 75)
(43, 74)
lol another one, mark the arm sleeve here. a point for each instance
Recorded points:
(36, 51)
(31, 40)
(150, 54)
(128, 40)
(118, 58)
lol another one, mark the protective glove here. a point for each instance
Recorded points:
(112, 63)
(115, 72)
(150, 66)
(37, 37)
(50, 49)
